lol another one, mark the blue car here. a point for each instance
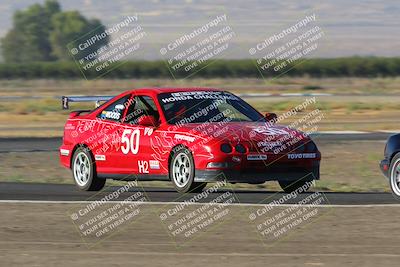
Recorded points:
(390, 165)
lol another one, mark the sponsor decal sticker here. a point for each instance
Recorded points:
(302, 156)
(184, 137)
(100, 157)
(69, 126)
(256, 157)
(148, 131)
(270, 130)
(110, 115)
(154, 164)
(119, 106)
(182, 96)
(236, 159)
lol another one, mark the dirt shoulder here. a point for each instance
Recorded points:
(44, 235)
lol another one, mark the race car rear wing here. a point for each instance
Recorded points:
(65, 100)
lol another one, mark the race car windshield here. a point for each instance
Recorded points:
(206, 106)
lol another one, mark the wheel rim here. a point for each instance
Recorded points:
(395, 178)
(181, 169)
(81, 169)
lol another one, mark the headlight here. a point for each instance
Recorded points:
(226, 148)
(301, 148)
(311, 147)
(240, 148)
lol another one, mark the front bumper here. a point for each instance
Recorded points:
(256, 177)
(65, 155)
(384, 166)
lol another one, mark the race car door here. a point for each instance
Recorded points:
(135, 139)
(107, 153)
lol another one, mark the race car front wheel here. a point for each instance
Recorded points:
(84, 171)
(181, 171)
(395, 175)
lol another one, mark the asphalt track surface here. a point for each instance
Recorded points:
(31, 144)
(59, 192)
(62, 192)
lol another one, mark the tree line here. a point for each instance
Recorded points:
(335, 67)
(42, 33)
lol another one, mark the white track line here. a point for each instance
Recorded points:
(219, 254)
(344, 132)
(196, 203)
(244, 95)
(388, 131)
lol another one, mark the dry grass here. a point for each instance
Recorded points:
(39, 87)
(44, 117)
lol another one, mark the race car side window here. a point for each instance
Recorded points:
(144, 105)
(115, 110)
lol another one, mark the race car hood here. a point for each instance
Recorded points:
(256, 135)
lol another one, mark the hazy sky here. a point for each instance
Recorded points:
(351, 27)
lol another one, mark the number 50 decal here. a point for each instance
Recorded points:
(132, 143)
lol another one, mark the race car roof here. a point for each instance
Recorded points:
(65, 100)
(159, 90)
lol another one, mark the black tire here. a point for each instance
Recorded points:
(182, 171)
(394, 173)
(84, 171)
(198, 187)
(289, 187)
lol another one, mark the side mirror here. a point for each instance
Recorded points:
(147, 120)
(271, 117)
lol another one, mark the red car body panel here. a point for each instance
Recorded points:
(106, 141)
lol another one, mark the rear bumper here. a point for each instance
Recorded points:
(384, 166)
(249, 176)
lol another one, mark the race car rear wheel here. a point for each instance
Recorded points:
(181, 172)
(394, 175)
(290, 187)
(84, 171)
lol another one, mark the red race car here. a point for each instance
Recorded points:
(187, 136)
